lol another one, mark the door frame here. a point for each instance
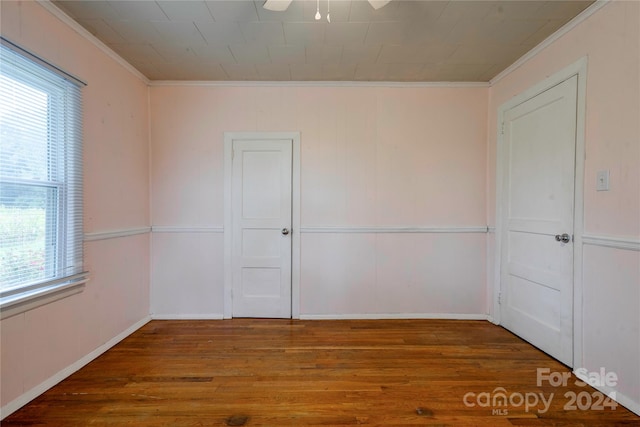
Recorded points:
(579, 69)
(229, 137)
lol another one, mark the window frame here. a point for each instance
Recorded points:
(62, 149)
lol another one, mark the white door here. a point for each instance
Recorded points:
(261, 228)
(538, 208)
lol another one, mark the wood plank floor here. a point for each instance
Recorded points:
(308, 373)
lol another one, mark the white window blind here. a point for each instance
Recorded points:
(40, 178)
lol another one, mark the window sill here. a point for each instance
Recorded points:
(20, 302)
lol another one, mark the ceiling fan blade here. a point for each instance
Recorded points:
(277, 5)
(377, 4)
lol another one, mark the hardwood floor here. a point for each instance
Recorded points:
(307, 373)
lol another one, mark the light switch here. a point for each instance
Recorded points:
(602, 181)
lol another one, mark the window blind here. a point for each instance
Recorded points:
(40, 175)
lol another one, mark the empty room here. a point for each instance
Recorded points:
(319, 212)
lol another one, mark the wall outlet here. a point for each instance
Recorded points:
(602, 181)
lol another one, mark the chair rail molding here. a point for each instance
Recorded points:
(394, 229)
(186, 229)
(113, 234)
(617, 242)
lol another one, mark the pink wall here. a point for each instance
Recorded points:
(366, 151)
(370, 156)
(611, 41)
(40, 343)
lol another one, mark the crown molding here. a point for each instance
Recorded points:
(596, 6)
(584, 15)
(70, 22)
(221, 83)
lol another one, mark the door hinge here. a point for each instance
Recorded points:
(499, 298)
(502, 129)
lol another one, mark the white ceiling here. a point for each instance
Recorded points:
(407, 41)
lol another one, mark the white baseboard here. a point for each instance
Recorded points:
(205, 316)
(389, 316)
(622, 399)
(368, 316)
(28, 396)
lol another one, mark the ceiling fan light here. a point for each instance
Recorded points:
(377, 4)
(276, 5)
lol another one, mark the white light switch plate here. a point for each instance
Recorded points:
(602, 181)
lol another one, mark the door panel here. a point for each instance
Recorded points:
(262, 190)
(261, 253)
(261, 282)
(261, 243)
(537, 270)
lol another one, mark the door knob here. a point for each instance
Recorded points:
(285, 231)
(564, 238)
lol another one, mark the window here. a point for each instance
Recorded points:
(40, 182)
